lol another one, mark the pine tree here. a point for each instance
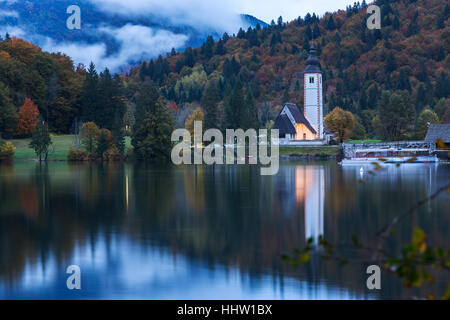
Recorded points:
(234, 104)
(8, 114)
(208, 47)
(209, 102)
(41, 140)
(442, 85)
(391, 64)
(152, 132)
(413, 27)
(90, 97)
(441, 54)
(396, 114)
(363, 100)
(330, 24)
(396, 22)
(422, 75)
(421, 97)
(189, 57)
(102, 143)
(250, 115)
(403, 81)
(220, 48)
(118, 134)
(104, 113)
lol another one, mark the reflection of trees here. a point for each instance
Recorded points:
(48, 214)
(225, 215)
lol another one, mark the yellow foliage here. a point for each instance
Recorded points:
(197, 115)
(340, 123)
(5, 55)
(22, 50)
(7, 150)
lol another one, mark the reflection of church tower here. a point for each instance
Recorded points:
(313, 99)
(310, 189)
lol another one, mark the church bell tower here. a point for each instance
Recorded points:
(313, 95)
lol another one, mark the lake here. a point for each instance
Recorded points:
(201, 232)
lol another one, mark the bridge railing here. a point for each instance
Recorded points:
(351, 148)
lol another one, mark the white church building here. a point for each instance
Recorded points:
(308, 128)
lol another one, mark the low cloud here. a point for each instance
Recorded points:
(6, 13)
(12, 31)
(136, 43)
(220, 14)
(217, 15)
(116, 47)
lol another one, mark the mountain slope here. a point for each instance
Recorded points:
(104, 33)
(410, 53)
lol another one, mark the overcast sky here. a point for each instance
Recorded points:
(138, 42)
(289, 9)
(218, 11)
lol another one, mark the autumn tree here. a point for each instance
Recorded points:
(197, 115)
(41, 141)
(28, 118)
(442, 109)
(341, 123)
(22, 50)
(426, 118)
(88, 134)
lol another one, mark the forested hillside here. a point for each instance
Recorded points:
(409, 53)
(106, 33)
(393, 77)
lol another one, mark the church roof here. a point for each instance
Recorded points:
(299, 117)
(284, 125)
(438, 131)
(312, 64)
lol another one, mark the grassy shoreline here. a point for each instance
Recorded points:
(62, 143)
(58, 150)
(302, 151)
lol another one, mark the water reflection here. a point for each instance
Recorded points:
(198, 231)
(310, 190)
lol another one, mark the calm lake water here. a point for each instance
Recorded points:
(148, 232)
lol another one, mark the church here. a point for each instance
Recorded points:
(308, 128)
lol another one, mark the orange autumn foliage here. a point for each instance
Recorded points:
(22, 50)
(28, 118)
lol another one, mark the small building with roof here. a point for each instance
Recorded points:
(296, 127)
(438, 132)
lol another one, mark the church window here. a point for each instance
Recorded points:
(311, 79)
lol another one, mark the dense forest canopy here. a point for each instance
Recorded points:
(256, 71)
